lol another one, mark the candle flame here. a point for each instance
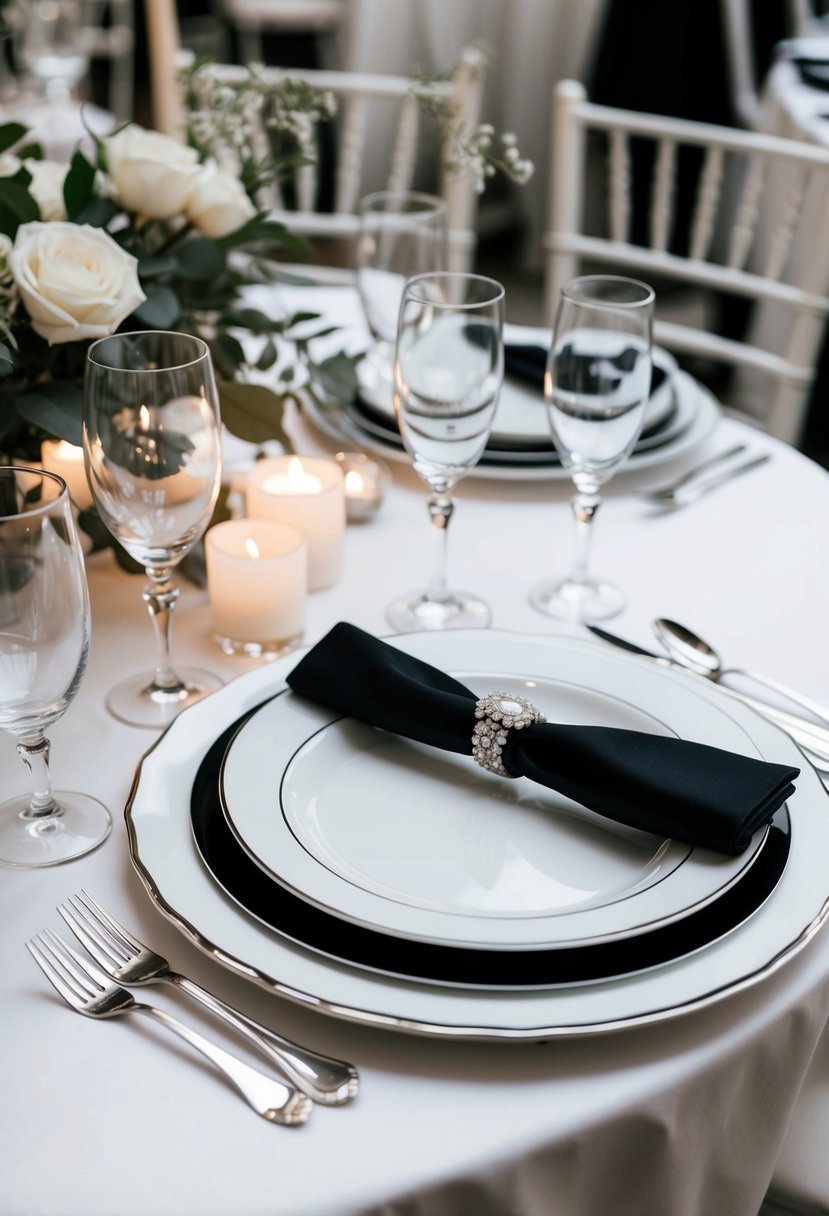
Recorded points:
(252, 547)
(144, 417)
(354, 483)
(295, 469)
(68, 451)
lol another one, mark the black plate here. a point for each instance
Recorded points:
(289, 915)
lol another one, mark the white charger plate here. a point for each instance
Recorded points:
(695, 404)
(164, 854)
(396, 836)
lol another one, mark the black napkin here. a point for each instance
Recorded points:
(528, 362)
(667, 786)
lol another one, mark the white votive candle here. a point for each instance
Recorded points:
(365, 484)
(256, 576)
(308, 493)
(64, 458)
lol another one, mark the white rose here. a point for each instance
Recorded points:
(46, 187)
(151, 174)
(74, 280)
(217, 203)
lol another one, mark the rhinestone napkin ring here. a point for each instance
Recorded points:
(497, 715)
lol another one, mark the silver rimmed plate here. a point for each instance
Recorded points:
(165, 855)
(395, 836)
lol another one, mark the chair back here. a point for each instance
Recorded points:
(745, 236)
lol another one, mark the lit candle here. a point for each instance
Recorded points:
(365, 484)
(256, 576)
(308, 493)
(65, 459)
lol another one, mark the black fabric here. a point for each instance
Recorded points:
(528, 363)
(667, 786)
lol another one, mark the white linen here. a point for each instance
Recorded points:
(682, 1119)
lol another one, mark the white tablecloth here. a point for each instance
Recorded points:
(682, 1119)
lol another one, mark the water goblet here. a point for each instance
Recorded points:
(401, 233)
(152, 447)
(448, 370)
(44, 645)
(596, 388)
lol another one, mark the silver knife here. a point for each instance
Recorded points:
(808, 735)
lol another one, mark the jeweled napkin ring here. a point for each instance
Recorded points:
(498, 714)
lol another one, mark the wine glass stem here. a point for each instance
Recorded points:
(35, 755)
(440, 513)
(584, 507)
(160, 595)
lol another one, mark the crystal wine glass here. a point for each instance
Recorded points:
(44, 645)
(152, 446)
(401, 234)
(448, 370)
(596, 388)
(54, 46)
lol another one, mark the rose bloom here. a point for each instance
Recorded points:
(74, 280)
(46, 187)
(217, 203)
(151, 174)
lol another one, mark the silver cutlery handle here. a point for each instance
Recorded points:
(692, 474)
(273, 1101)
(703, 484)
(329, 1082)
(812, 707)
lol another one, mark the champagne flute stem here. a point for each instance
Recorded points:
(440, 513)
(160, 595)
(584, 507)
(35, 755)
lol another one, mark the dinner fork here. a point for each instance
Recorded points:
(327, 1081)
(91, 992)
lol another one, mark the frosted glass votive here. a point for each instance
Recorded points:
(257, 577)
(64, 458)
(308, 493)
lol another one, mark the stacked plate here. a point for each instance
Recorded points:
(394, 884)
(680, 415)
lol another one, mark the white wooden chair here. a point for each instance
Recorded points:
(741, 172)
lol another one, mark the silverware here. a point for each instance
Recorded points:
(690, 650)
(327, 1081)
(91, 992)
(811, 738)
(691, 474)
(691, 487)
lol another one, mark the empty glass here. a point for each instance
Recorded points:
(54, 46)
(596, 388)
(448, 370)
(152, 446)
(401, 234)
(44, 645)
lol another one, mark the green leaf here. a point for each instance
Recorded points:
(97, 212)
(268, 356)
(56, 408)
(199, 259)
(251, 319)
(160, 310)
(16, 206)
(299, 317)
(252, 412)
(150, 267)
(335, 379)
(78, 186)
(260, 228)
(10, 133)
(228, 354)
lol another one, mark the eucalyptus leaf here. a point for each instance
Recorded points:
(97, 212)
(227, 353)
(266, 360)
(78, 185)
(336, 378)
(252, 412)
(199, 259)
(56, 408)
(160, 310)
(151, 267)
(252, 319)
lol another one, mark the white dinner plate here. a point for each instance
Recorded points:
(163, 851)
(393, 835)
(521, 420)
(694, 402)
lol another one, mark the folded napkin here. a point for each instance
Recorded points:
(527, 362)
(667, 786)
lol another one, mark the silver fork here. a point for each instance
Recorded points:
(327, 1081)
(91, 992)
(682, 494)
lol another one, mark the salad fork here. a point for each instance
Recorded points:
(91, 992)
(327, 1081)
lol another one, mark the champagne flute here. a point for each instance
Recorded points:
(448, 370)
(152, 446)
(401, 234)
(596, 388)
(44, 645)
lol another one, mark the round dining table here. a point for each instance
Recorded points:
(681, 1115)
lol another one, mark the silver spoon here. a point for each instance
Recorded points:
(686, 648)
